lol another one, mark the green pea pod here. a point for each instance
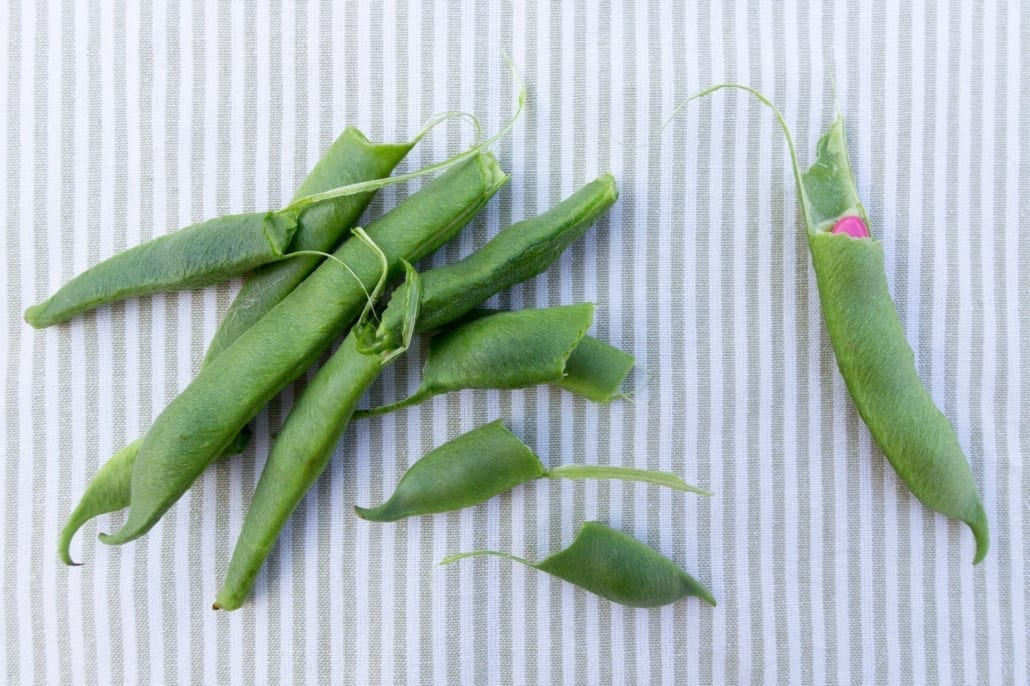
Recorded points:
(509, 350)
(108, 491)
(874, 358)
(197, 426)
(615, 566)
(351, 159)
(321, 414)
(194, 256)
(485, 462)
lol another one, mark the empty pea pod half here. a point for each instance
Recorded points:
(875, 360)
(615, 566)
(509, 350)
(485, 462)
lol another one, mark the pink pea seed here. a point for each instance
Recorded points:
(852, 226)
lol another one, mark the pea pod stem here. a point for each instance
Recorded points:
(373, 185)
(321, 414)
(485, 553)
(595, 471)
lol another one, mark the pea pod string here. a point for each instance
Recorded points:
(868, 340)
(615, 566)
(485, 462)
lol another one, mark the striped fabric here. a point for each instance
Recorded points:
(122, 121)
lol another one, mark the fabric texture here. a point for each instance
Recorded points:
(122, 121)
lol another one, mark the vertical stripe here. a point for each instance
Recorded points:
(993, 636)
(46, 617)
(8, 119)
(1016, 321)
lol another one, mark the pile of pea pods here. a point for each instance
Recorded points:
(300, 299)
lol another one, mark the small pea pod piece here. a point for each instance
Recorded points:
(615, 566)
(202, 421)
(596, 370)
(874, 358)
(509, 350)
(485, 462)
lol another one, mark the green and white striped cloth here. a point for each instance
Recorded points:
(124, 120)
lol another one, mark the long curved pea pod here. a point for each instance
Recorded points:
(485, 462)
(615, 566)
(350, 159)
(198, 424)
(322, 413)
(874, 358)
(509, 350)
(108, 491)
(194, 256)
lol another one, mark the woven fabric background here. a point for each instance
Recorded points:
(122, 121)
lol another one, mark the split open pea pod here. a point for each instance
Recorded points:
(869, 342)
(874, 358)
(615, 566)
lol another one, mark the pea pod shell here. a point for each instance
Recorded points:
(596, 370)
(874, 357)
(194, 256)
(198, 424)
(506, 349)
(615, 566)
(510, 350)
(879, 369)
(465, 471)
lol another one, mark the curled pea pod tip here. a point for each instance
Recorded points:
(615, 566)
(874, 358)
(485, 462)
